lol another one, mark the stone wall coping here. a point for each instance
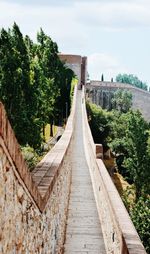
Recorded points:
(129, 233)
(70, 59)
(108, 84)
(40, 183)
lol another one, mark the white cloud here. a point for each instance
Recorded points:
(109, 65)
(59, 22)
(75, 18)
(72, 25)
(77, 27)
(117, 15)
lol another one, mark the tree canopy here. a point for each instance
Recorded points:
(131, 79)
(122, 100)
(34, 83)
(99, 121)
(128, 136)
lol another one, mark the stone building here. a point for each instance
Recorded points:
(78, 64)
(101, 93)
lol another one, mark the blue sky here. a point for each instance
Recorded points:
(114, 34)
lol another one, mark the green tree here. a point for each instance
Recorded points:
(117, 140)
(14, 88)
(140, 215)
(122, 100)
(99, 121)
(131, 79)
(63, 103)
(138, 159)
(148, 143)
(57, 84)
(129, 139)
(33, 81)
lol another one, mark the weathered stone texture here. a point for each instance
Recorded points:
(73, 62)
(111, 232)
(101, 94)
(23, 228)
(33, 207)
(78, 64)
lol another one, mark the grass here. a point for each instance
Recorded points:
(73, 84)
(47, 132)
(74, 81)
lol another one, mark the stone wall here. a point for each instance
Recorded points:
(84, 70)
(101, 94)
(23, 228)
(78, 64)
(74, 62)
(120, 235)
(33, 208)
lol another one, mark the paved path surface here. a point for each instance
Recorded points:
(83, 233)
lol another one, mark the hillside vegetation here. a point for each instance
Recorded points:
(127, 134)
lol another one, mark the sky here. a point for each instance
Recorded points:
(113, 34)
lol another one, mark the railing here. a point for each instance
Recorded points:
(120, 235)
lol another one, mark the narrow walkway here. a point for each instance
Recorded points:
(83, 233)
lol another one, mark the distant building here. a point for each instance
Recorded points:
(78, 64)
(101, 93)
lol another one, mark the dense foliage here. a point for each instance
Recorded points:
(34, 84)
(122, 100)
(131, 79)
(140, 215)
(129, 141)
(128, 136)
(99, 121)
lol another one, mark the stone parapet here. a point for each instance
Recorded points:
(117, 85)
(119, 233)
(99, 151)
(33, 208)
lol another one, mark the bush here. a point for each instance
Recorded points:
(30, 156)
(99, 121)
(140, 215)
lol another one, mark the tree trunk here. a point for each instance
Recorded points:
(51, 130)
(44, 131)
